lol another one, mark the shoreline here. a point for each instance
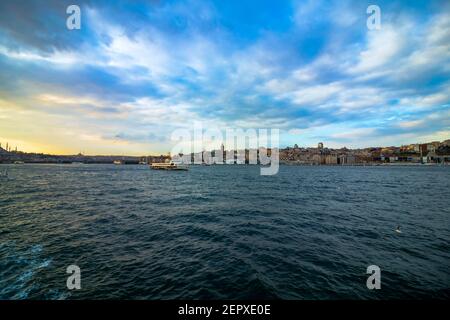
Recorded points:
(246, 164)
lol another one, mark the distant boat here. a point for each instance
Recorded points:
(19, 162)
(118, 162)
(168, 166)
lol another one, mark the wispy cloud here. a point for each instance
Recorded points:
(135, 73)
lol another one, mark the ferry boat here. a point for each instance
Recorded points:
(168, 166)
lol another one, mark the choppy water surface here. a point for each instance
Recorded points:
(224, 232)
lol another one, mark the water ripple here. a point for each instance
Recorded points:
(224, 232)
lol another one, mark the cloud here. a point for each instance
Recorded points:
(411, 124)
(65, 100)
(382, 47)
(353, 134)
(314, 70)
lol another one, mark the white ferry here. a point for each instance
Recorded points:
(168, 166)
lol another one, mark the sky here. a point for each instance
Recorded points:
(138, 70)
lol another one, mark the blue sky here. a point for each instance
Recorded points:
(138, 70)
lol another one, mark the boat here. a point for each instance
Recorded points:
(168, 166)
(118, 162)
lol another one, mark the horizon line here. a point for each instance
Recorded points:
(167, 153)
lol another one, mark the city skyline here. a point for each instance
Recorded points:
(134, 73)
(320, 145)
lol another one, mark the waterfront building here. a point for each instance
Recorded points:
(347, 159)
(331, 159)
(423, 149)
(393, 159)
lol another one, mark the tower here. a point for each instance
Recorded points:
(320, 146)
(222, 149)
